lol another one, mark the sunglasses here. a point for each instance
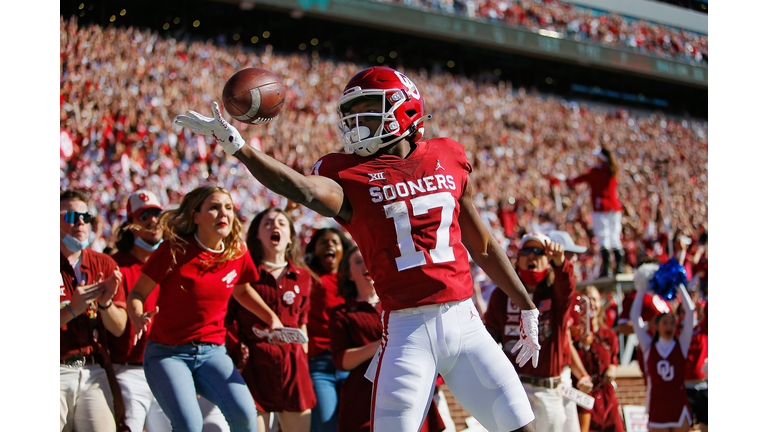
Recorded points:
(532, 249)
(146, 214)
(71, 216)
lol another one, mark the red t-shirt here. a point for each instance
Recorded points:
(603, 352)
(77, 336)
(554, 304)
(698, 351)
(192, 297)
(602, 185)
(122, 348)
(354, 324)
(406, 220)
(324, 296)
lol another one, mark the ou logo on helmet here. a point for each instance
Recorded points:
(412, 90)
(665, 370)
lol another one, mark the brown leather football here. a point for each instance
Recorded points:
(253, 96)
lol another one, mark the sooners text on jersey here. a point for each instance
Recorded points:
(405, 220)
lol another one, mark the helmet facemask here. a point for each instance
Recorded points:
(358, 138)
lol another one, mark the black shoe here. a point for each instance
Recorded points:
(618, 255)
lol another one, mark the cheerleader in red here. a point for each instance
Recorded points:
(356, 330)
(599, 351)
(276, 374)
(665, 362)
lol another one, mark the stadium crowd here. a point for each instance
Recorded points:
(579, 23)
(121, 89)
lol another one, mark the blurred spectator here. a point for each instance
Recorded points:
(599, 351)
(606, 209)
(324, 253)
(137, 238)
(276, 374)
(665, 356)
(553, 289)
(579, 23)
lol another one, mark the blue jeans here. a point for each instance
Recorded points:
(327, 381)
(178, 373)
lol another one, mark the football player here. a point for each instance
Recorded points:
(407, 203)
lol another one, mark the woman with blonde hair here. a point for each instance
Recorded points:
(202, 262)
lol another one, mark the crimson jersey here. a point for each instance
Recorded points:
(603, 187)
(77, 336)
(667, 398)
(554, 304)
(121, 348)
(193, 297)
(406, 220)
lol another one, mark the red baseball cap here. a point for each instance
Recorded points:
(140, 201)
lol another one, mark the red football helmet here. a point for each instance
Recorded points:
(399, 116)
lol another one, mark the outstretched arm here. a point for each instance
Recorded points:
(488, 254)
(320, 194)
(687, 332)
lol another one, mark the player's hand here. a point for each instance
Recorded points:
(555, 252)
(217, 128)
(585, 384)
(529, 338)
(111, 285)
(141, 323)
(83, 295)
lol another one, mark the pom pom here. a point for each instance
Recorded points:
(666, 280)
(643, 276)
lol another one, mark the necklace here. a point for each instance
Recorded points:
(273, 265)
(209, 249)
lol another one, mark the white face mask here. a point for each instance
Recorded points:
(73, 244)
(146, 246)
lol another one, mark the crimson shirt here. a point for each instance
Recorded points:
(603, 352)
(554, 304)
(324, 296)
(406, 220)
(698, 351)
(192, 297)
(77, 336)
(602, 185)
(122, 348)
(354, 324)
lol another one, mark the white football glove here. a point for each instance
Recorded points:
(217, 128)
(529, 338)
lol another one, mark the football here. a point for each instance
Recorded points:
(253, 96)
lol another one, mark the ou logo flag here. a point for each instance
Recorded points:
(665, 370)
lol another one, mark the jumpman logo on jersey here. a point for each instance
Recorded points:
(439, 166)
